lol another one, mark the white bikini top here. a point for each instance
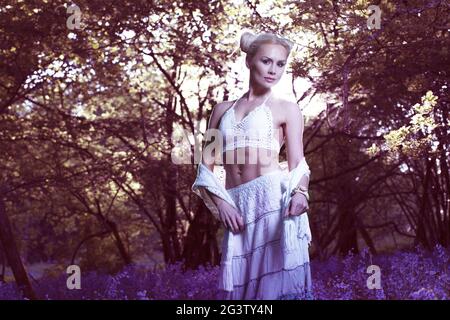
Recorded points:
(254, 130)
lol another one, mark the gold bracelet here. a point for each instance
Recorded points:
(301, 190)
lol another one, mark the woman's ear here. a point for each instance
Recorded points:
(247, 63)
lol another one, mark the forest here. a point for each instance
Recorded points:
(103, 108)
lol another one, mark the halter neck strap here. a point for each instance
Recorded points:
(265, 100)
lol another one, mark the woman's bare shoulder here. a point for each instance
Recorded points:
(281, 102)
(223, 105)
(283, 107)
(219, 110)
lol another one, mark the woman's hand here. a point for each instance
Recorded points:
(230, 217)
(297, 206)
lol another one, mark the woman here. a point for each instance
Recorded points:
(265, 246)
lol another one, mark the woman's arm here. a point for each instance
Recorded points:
(294, 139)
(298, 203)
(223, 209)
(208, 152)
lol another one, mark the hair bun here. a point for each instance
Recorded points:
(246, 40)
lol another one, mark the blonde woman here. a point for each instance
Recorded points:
(263, 207)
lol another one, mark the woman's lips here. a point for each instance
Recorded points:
(269, 79)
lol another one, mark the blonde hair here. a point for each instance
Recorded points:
(250, 42)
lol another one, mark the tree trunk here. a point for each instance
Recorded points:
(423, 230)
(3, 263)
(172, 247)
(348, 236)
(119, 243)
(366, 236)
(200, 247)
(171, 240)
(12, 254)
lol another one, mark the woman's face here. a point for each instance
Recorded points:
(268, 64)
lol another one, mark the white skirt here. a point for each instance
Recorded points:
(257, 263)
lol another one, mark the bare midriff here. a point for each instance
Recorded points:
(247, 163)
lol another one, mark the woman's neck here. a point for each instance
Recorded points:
(253, 94)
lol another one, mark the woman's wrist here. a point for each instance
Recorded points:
(218, 201)
(301, 194)
(300, 190)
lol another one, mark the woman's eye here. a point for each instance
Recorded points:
(280, 65)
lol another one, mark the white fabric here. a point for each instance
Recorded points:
(292, 227)
(257, 263)
(254, 130)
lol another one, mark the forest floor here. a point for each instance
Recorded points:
(411, 274)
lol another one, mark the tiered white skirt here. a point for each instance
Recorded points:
(257, 264)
